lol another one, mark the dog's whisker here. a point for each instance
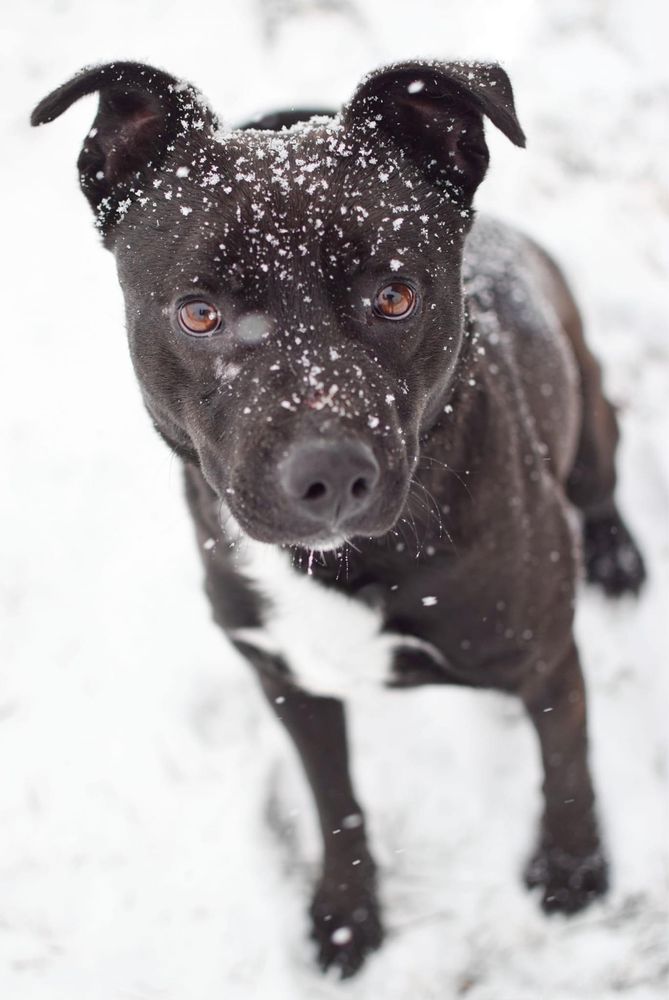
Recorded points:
(432, 509)
(450, 470)
(427, 519)
(412, 522)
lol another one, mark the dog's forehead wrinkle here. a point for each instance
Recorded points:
(317, 153)
(309, 174)
(328, 206)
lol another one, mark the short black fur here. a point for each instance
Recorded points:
(441, 451)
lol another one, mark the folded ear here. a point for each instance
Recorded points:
(142, 111)
(434, 112)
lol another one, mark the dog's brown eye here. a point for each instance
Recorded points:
(395, 301)
(199, 318)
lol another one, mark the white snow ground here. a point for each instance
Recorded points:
(156, 842)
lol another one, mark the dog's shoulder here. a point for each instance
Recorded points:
(522, 357)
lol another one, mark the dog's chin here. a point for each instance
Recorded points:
(327, 539)
(320, 543)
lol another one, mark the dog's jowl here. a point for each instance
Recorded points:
(396, 448)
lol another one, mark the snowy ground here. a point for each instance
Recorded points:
(155, 839)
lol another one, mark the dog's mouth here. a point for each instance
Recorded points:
(320, 544)
(239, 528)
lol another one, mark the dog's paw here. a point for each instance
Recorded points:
(346, 923)
(612, 559)
(569, 882)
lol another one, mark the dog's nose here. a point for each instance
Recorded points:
(329, 481)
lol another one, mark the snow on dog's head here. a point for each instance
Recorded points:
(293, 297)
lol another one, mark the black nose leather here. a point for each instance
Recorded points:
(329, 480)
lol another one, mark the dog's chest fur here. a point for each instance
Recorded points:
(332, 643)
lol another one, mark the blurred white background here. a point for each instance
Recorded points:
(138, 767)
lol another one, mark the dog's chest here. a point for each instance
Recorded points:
(333, 644)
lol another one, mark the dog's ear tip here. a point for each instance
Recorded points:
(97, 77)
(48, 109)
(59, 100)
(518, 137)
(40, 114)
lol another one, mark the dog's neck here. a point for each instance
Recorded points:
(444, 401)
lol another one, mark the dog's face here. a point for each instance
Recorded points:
(305, 315)
(293, 298)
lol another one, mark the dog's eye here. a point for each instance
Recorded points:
(395, 301)
(199, 318)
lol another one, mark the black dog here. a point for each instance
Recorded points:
(385, 414)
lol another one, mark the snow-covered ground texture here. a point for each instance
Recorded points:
(156, 841)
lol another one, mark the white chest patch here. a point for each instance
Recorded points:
(332, 644)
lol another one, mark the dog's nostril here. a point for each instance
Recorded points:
(360, 488)
(328, 481)
(315, 491)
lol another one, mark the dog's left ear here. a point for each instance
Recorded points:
(434, 112)
(141, 113)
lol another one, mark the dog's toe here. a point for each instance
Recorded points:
(569, 882)
(346, 926)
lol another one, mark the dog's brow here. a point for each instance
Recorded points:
(348, 257)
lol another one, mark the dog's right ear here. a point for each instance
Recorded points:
(142, 111)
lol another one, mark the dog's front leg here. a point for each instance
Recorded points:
(345, 911)
(569, 862)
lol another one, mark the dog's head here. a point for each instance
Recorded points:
(293, 298)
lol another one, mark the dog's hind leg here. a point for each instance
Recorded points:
(612, 558)
(345, 913)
